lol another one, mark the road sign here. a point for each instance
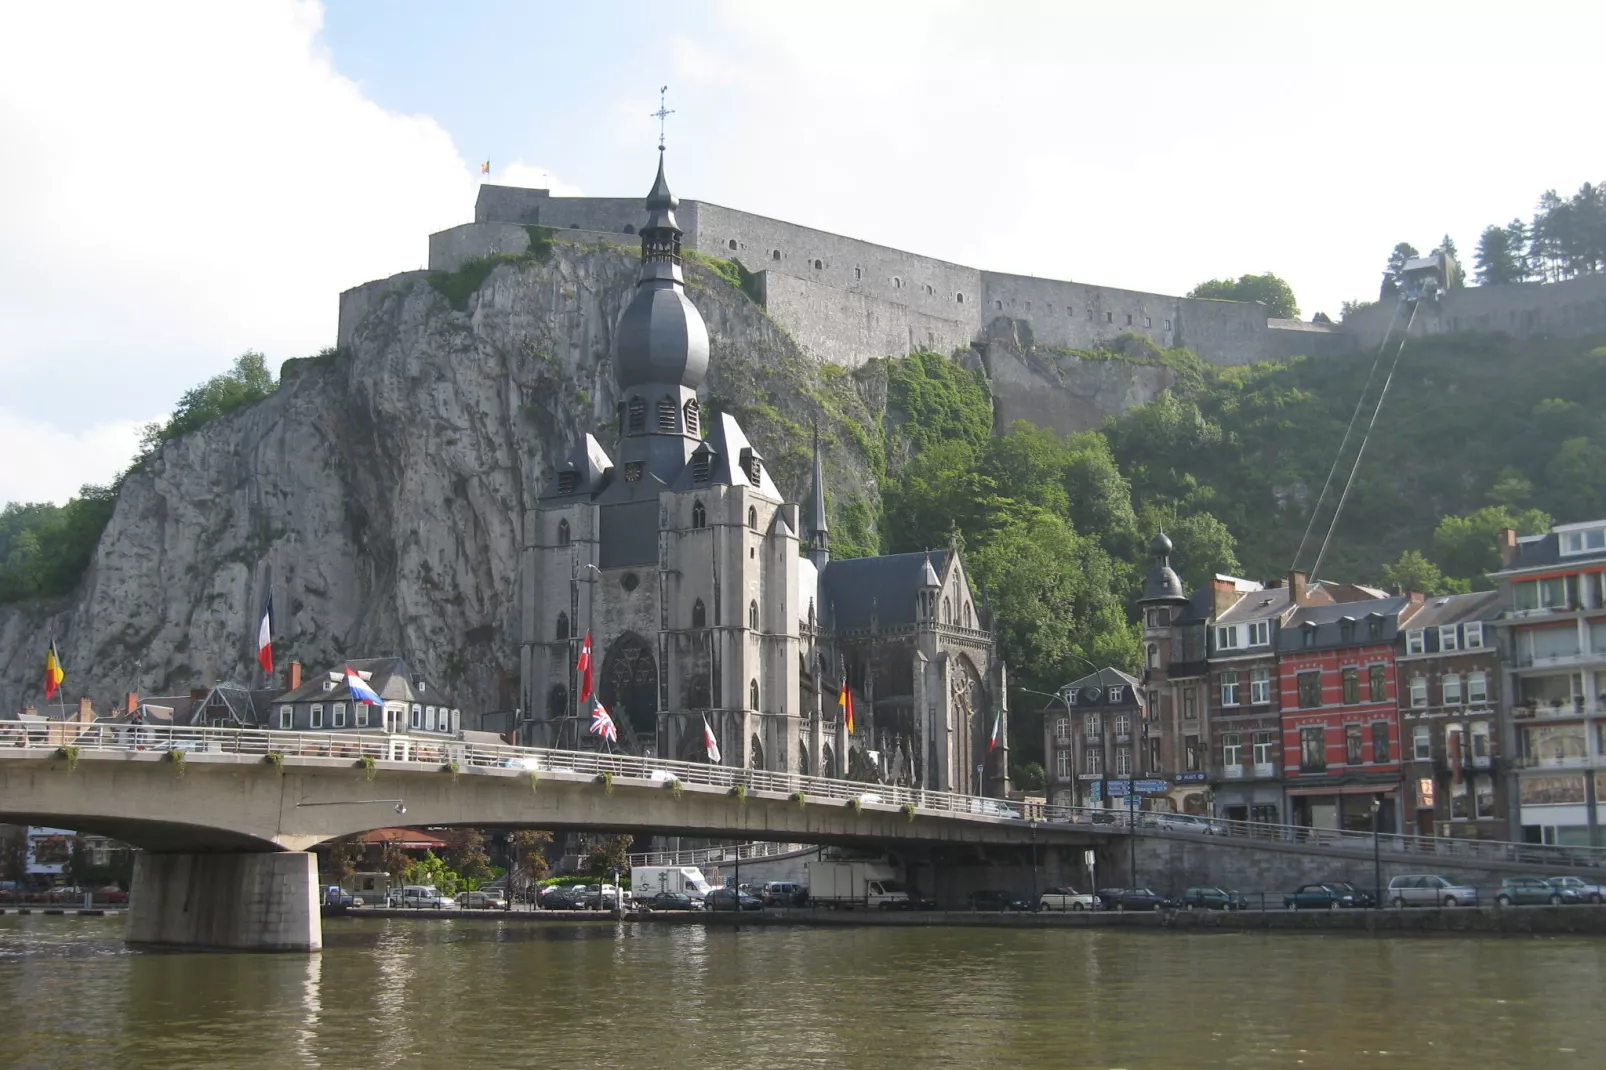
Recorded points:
(1191, 778)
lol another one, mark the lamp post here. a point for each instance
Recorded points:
(1377, 855)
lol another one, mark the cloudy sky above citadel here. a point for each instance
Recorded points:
(184, 181)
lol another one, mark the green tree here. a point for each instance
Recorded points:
(432, 870)
(343, 856)
(609, 854)
(1447, 245)
(1203, 547)
(467, 857)
(1469, 546)
(1391, 274)
(1413, 572)
(1268, 289)
(1032, 777)
(247, 381)
(1577, 479)
(1511, 488)
(529, 861)
(1497, 258)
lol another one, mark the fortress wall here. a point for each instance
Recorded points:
(450, 249)
(839, 327)
(1074, 315)
(927, 286)
(1223, 332)
(1569, 309)
(1295, 338)
(509, 204)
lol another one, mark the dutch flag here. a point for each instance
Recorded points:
(360, 691)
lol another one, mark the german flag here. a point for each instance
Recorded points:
(845, 700)
(54, 673)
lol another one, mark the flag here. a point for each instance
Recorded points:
(265, 638)
(998, 730)
(54, 673)
(845, 700)
(485, 168)
(602, 724)
(360, 689)
(583, 667)
(710, 744)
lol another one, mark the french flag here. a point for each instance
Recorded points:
(265, 638)
(360, 691)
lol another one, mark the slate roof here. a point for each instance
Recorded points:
(726, 447)
(1197, 609)
(1456, 609)
(855, 587)
(1257, 605)
(390, 678)
(1544, 551)
(1329, 620)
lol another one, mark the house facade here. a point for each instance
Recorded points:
(323, 702)
(1552, 626)
(1095, 746)
(1447, 663)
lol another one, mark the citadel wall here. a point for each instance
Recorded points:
(1525, 309)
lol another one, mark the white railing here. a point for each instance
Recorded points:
(708, 856)
(27, 739)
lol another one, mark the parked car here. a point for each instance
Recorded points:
(672, 901)
(113, 894)
(1067, 899)
(1529, 891)
(1169, 822)
(559, 897)
(1134, 899)
(994, 899)
(784, 894)
(66, 893)
(731, 899)
(603, 897)
(481, 900)
(421, 896)
(1586, 892)
(1320, 897)
(1363, 898)
(335, 896)
(1429, 890)
(1212, 897)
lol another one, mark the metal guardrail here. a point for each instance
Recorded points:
(17, 740)
(704, 856)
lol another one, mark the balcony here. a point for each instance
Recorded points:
(1123, 737)
(1558, 711)
(1244, 771)
(1528, 761)
(1177, 670)
(1564, 659)
(1265, 770)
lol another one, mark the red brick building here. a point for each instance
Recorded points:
(1340, 712)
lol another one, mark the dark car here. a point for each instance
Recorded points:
(1134, 899)
(560, 898)
(1363, 898)
(1529, 891)
(1320, 897)
(672, 901)
(1212, 897)
(993, 899)
(727, 899)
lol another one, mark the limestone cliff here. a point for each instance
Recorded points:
(380, 490)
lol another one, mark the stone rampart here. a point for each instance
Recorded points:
(1075, 315)
(843, 327)
(1567, 309)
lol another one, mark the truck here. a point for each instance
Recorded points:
(648, 881)
(847, 884)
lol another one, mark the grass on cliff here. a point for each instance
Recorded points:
(458, 286)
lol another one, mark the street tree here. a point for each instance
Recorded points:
(1391, 273)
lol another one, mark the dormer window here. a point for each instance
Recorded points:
(752, 466)
(1589, 540)
(568, 482)
(666, 415)
(636, 421)
(691, 411)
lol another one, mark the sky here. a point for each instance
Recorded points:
(183, 181)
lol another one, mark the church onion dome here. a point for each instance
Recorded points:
(661, 337)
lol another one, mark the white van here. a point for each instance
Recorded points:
(648, 881)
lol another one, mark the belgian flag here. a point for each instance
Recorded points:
(54, 673)
(845, 700)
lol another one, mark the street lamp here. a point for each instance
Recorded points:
(1377, 856)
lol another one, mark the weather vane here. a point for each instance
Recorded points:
(661, 114)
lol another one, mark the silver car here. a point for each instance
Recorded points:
(1429, 890)
(1586, 892)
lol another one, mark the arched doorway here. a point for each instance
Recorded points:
(629, 688)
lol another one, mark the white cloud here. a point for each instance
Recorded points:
(536, 176)
(185, 181)
(46, 463)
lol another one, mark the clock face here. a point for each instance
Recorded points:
(1093, 694)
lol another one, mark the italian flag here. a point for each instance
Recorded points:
(998, 731)
(265, 638)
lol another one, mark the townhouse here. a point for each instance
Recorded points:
(1093, 748)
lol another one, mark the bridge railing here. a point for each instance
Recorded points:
(704, 856)
(423, 751)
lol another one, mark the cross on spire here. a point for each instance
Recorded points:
(663, 112)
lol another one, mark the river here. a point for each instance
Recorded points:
(506, 994)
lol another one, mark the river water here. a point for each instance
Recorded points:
(577, 995)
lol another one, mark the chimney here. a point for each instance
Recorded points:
(1297, 594)
(130, 701)
(295, 675)
(1508, 547)
(1223, 595)
(86, 710)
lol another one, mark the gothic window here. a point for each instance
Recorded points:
(827, 761)
(637, 421)
(557, 702)
(699, 614)
(563, 533)
(700, 463)
(666, 415)
(947, 610)
(691, 411)
(803, 760)
(699, 515)
(568, 482)
(752, 517)
(629, 684)
(756, 759)
(752, 615)
(752, 694)
(563, 626)
(967, 614)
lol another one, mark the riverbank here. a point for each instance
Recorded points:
(1521, 921)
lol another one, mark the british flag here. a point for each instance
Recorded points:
(602, 724)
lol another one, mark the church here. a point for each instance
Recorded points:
(709, 598)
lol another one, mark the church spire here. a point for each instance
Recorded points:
(819, 527)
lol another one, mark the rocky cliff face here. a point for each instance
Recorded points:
(379, 491)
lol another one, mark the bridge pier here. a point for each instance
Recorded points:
(226, 902)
